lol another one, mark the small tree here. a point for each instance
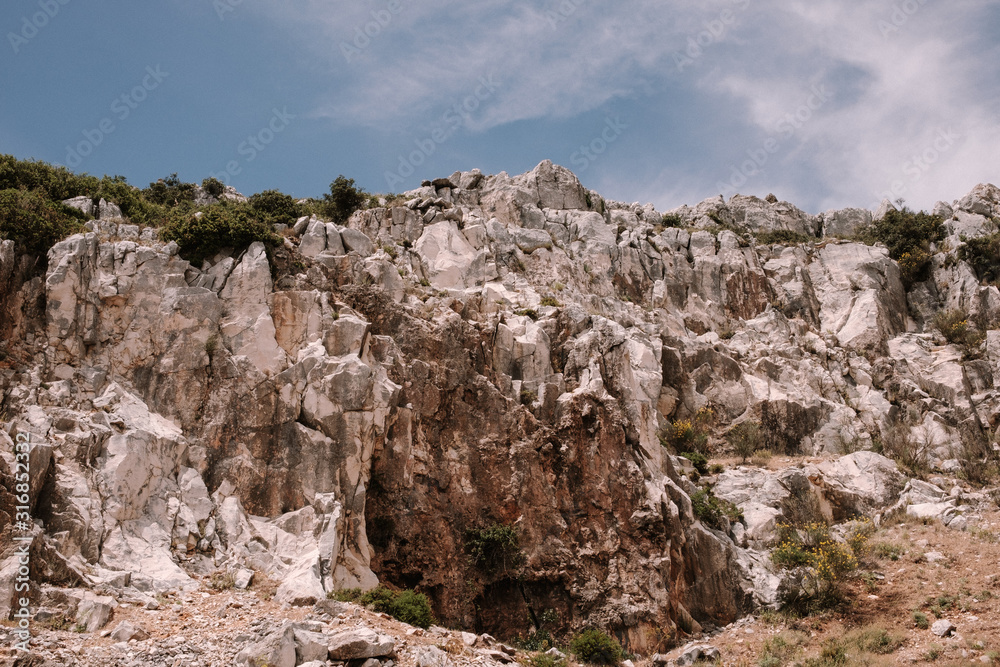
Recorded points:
(213, 186)
(169, 191)
(745, 439)
(343, 200)
(275, 207)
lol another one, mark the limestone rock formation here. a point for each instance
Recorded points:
(496, 351)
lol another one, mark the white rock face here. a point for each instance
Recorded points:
(860, 293)
(484, 346)
(449, 260)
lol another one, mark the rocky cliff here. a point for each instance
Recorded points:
(493, 350)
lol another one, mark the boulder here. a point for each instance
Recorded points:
(314, 239)
(356, 241)
(309, 646)
(125, 631)
(85, 204)
(943, 627)
(358, 643)
(94, 611)
(449, 260)
(432, 656)
(277, 649)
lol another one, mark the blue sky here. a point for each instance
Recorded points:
(825, 103)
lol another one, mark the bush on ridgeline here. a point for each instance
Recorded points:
(223, 225)
(131, 201)
(34, 223)
(57, 183)
(908, 236)
(170, 192)
(213, 186)
(275, 207)
(343, 200)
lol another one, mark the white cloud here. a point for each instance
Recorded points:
(897, 79)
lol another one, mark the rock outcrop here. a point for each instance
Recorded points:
(498, 350)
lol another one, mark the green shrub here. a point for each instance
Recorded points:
(345, 595)
(223, 225)
(379, 599)
(169, 192)
(904, 231)
(597, 648)
(745, 439)
(920, 620)
(688, 435)
(550, 301)
(955, 326)
(131, 201)
(781, 648)
(407, 606)
(983, 255)
(671, 220)
(698, 460)
(544, 660)
(275, 207)
(874, 640)
(914, 266)
(213, 186)
(908, 236)
(413, 608)
(824, 561)
(783, 237)
(34, 223)
(57, 183)
(343, 200)
(495, 549)
(539, 640)
(714, 512)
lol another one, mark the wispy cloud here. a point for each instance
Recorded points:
(899, 73)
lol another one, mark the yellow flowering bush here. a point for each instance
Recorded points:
(689, 435)
(818, 560)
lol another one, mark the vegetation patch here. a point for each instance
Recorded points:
(343, 200)
(689, 435)
(495, 549)
(407, 606)
(982, 253)
(34, 223)
(223, 225)
(745, 439)
(275, 208)
(783, 237)
(908, 235)
(819, 561)
(597, 648)
(713, 511)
